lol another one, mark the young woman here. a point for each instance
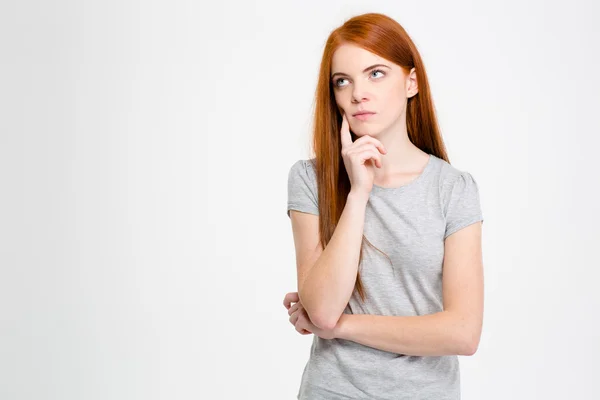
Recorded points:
(387, 233)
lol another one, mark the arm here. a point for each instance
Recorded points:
(456, 330)
(325, 286)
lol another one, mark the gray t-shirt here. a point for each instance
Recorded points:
(409, 224)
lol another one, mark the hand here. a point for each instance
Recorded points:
(295, 311)
(360, 158)
(299, 318)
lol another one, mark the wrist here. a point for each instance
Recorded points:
(358, 197)
(339, 332)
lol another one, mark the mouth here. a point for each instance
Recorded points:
(363, 115)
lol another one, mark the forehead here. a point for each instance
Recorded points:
(349, 58)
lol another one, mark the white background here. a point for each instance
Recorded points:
(144, 146)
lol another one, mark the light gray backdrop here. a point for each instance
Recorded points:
(144, 149)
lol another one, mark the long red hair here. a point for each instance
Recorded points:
(385, 37)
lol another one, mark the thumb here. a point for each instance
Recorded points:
(290, 298)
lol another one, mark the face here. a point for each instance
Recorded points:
(363, 81)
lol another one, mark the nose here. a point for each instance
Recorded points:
(359, 93)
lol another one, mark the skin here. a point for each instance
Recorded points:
(384, 90)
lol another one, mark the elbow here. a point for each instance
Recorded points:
(466, 334)
(321, 320)
(468, 349)
(469, 344)
(320, 317)
(325, 323)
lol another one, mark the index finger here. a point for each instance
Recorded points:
(290, 298)
(345, 132)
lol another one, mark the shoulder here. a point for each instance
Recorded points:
(304, 168)
(453, 180)
(302, 174)
(450, 175)
(459, 196)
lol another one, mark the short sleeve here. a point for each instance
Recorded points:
(302, 188)
(463, 206)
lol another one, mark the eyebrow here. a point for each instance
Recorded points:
(364, 70)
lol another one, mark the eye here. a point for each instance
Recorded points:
(337, 82)
(378, 70)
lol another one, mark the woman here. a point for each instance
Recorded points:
(377, 215)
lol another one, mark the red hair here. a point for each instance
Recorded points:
(385, 37)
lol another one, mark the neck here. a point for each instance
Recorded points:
(402, 155)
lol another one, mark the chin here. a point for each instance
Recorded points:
(366, 131)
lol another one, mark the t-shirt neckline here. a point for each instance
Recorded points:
(424, 172)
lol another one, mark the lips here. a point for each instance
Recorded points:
(363, 115)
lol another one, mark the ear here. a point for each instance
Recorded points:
(412, 86)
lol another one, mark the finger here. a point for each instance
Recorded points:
(289, 298)
(345, 132)
(293, 309)
(374, 156)
(363, 147)
(300, 324)
(293, 318)
(369, 154)
(304, 323)
(371, 140)
(303, 331)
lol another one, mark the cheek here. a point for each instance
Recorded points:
(394, 103)
(339, 100)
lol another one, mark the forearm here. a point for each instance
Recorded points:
(439, 334)
(327, 287)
